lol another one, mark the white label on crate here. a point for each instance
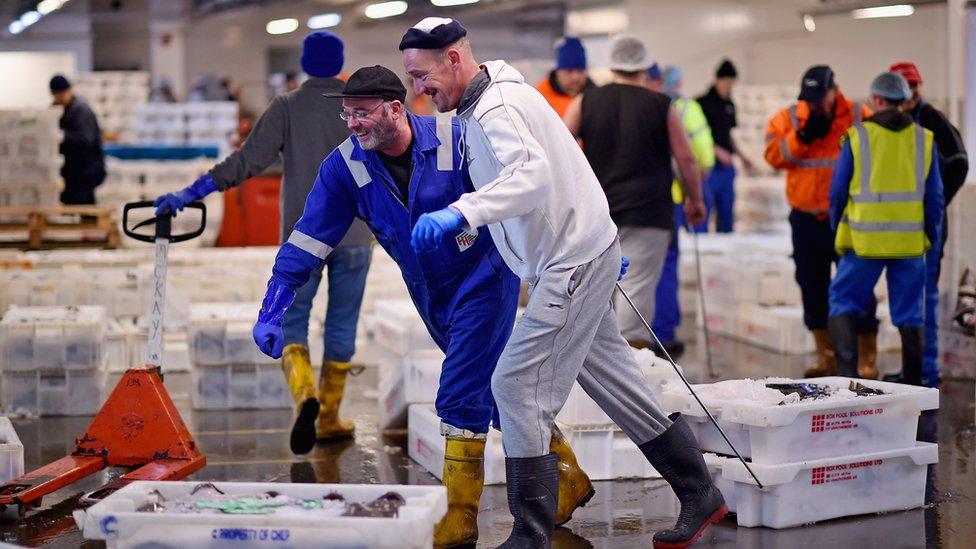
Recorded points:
(840, 473)
(465, 239)
(837, 421)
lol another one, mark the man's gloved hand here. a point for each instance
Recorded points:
(431, 228)
(174, 202)
(624, 264)
(817, 126)
(267, 330)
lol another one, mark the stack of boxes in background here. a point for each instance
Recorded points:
(53, 360)
(817, 458)
(228, 370)
(113, 97)
(211, 123)
(30, 164)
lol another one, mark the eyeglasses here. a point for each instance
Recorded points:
(346, 116)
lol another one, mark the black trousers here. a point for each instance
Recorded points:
(77, 194)
(813, 254)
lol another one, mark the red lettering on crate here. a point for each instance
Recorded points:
(840, 473)
(837, 421)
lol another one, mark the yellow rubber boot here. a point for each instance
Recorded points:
(298, 373)
(575, 488)
(464, 478)
(826, 359)
(867, 355)
(331, 386)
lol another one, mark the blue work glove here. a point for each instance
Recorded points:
(174, 202)
(267, 330)
(624, 263)
(431, 228)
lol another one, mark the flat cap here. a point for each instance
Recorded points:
(432, 33)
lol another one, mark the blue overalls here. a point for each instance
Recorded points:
(465, 294)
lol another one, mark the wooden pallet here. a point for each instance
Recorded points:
(30, 228)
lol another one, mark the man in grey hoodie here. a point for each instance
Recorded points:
(303, 127)
(549, 219)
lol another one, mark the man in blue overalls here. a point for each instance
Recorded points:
(395, 168)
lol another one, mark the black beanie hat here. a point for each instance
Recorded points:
(726, 69)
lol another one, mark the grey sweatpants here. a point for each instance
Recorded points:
(646, 247)
(569, 332)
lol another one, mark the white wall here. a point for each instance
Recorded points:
(767, 42)
(33, 70)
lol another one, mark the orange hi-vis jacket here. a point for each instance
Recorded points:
(809, 167)
(558, 101)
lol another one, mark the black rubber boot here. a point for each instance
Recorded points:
(676, 455)
(912, 350)
(843, 330)
(533, 492)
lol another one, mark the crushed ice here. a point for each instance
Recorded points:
(775, 391)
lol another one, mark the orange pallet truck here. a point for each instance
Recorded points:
(137, 427)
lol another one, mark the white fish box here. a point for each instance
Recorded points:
(11, 451)
(958, 354)
(604, 453)
(52, 338)
(176, 350)
(760, 279)
(581, 410)
(797, 493)
(220, 334)
(770, 433)
(52, 393)
(239, 387)
(404, 380)
(398, 326)
(116, 520)
(778, 329)
(721, 317)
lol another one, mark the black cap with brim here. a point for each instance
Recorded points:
(376, 82)
(816, 82)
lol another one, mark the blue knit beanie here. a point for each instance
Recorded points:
(322, 54)
(570, 54)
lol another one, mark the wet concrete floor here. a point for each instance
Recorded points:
(253, 446)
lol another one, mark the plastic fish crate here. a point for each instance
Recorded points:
(116, 520)
(11, 451)
(399, 327)
(220, 334)
(778, 328)
(797, 493)
(813, 429)
(958, 354)
(52, 338)
(52, 393)
(581, 410)
(760, 279)
(603, 452)
(239, 387)
(407, 379)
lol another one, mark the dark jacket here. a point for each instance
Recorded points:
(84, 161)
(953, 162)
(303, 127)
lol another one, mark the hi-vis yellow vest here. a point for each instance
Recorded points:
(885, 213)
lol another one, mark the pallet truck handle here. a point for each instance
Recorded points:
(163, 223)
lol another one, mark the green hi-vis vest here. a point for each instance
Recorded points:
(699, 137)
(885, 213)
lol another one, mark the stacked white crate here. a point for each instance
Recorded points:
(817, 459)
(409, 361)
(11, 451)
(113, 96)
(30, 162)
(228, 370)
(53, 360)
(601, 448)
(211, 123)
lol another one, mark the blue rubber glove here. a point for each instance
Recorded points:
(267, 330)
(174, 202)
(624, 264)
(431, 228)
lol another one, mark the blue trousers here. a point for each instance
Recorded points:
(930, 358)
(667, 309)
(470, 319)
(813, 255)
(721, 187)
(852, 290)
(348, 266)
